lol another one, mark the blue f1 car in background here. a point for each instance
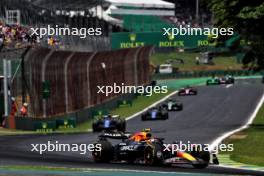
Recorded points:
(155, 113)
(109, 123)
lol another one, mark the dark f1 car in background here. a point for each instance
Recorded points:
(109, 123)
(187, 91)
(142, 148)
(222, 80)
(155, 113)
(213, 81)
(227, 80)
(172, 105)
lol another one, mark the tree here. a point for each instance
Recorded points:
(246, 17)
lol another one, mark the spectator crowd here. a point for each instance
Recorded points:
(15, 36)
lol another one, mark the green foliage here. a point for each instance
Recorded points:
(246, 17)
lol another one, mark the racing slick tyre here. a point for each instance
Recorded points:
(95, 127)
(106, 153)
(153, 155)
(143, 117)
(205, 156)
(180, 108)
(122, 125)
(166, 116)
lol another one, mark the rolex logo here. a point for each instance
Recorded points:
(65, 122)
(171, 36)
(44, 125)
(132, 37)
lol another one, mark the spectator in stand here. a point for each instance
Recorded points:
(15, 36)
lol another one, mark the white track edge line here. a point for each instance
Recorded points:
(218, 140)
(152, 105)
(134, 170)
(241, 168)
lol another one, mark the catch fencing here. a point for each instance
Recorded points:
(61, 82)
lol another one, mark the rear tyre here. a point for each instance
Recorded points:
(95, 127)
(166, 116)
(123, 126)
(106, 153)
(143, 117)
(180, 108)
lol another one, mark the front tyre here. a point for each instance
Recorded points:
(205, 157)
(148, 156)
(143, 117)
(153, 155)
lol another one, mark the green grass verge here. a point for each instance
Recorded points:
(249, 144)
(139, 104)
(221, 62)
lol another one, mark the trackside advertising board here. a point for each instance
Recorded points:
(132, 40)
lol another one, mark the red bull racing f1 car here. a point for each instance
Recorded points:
(145, 149)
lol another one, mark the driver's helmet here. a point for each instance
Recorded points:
(146, 130)
(142, 136)
(170, 99)
(108, 116)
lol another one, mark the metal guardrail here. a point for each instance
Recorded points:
(198, 74)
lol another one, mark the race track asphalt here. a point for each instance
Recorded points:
(214, 111)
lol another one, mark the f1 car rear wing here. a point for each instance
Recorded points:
(115, 135)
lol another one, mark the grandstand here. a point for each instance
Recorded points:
(141, 16)
(152, 15)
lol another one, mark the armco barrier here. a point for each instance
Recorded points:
(29, 123)
(124, 103)
(197, 74)
(65, 123)
(46, 126)
(100, 112)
